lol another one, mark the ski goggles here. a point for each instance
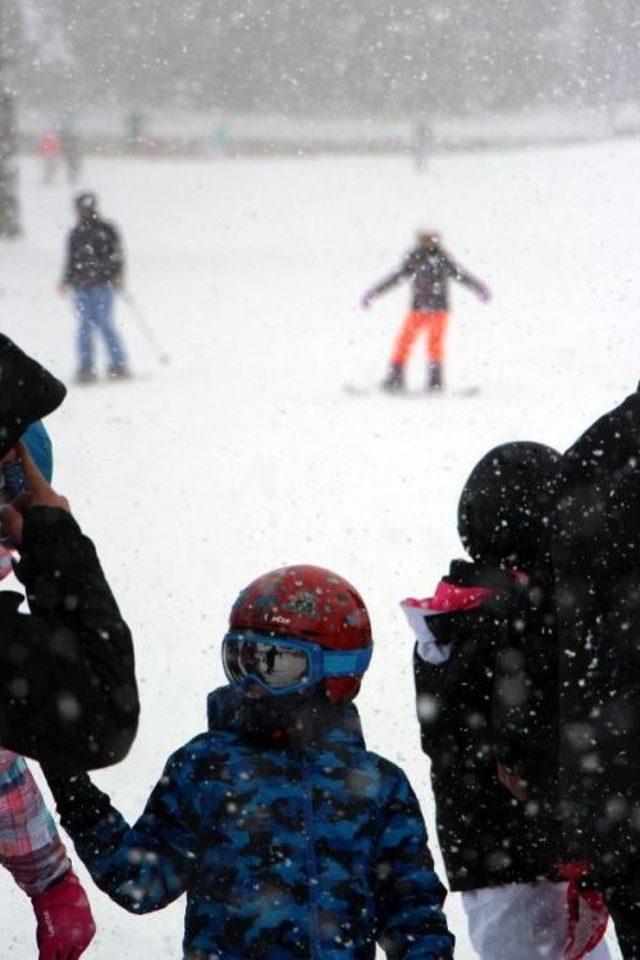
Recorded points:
(286, 664)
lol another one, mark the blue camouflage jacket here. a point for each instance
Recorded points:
(282, 853)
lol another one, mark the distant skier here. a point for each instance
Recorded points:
(289, 837)
(49, 150)
(422, 146)
(94, 270)
(430, 267)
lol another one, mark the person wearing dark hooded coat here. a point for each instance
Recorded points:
(485, 654)
(68, 695)
(596, 556)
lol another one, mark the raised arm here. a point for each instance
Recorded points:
(404, 272)
(457, 272)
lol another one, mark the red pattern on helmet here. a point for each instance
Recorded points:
(311, 603)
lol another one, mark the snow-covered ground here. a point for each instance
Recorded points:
(245, 453)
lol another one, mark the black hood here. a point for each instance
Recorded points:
(505, 504)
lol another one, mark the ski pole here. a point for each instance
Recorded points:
(145, 327)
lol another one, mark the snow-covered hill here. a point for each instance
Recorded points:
(245, 453)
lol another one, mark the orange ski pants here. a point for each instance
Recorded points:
(435, 324)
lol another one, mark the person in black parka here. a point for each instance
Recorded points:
(596, 556)
(68, 694)
(486, 682)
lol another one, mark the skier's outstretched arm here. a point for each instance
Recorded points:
(141, 868)
(410, 922)
(68, 694)
(456, 272)
(404, 272)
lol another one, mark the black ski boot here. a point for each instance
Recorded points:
(394, 380)
(28, 392)
(435, 378)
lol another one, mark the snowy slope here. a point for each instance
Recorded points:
(245, 454)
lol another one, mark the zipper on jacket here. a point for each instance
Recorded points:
(312, 867)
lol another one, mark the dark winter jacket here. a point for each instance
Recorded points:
(67, 684)
(283, 853)
(431, 268)
(596, 554)
(94, 254)
(487, 837)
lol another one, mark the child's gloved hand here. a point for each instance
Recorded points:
(65, 923)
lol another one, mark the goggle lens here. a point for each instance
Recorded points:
(274, 665)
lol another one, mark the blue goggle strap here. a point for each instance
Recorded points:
(345, 663)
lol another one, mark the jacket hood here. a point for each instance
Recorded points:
(506, 502)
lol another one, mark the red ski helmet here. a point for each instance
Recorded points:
(312, 604)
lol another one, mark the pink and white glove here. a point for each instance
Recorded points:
(65, 922)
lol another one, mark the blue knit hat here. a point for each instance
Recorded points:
(38, 443)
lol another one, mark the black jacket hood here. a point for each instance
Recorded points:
(505, 504)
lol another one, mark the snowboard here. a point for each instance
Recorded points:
(411, 393)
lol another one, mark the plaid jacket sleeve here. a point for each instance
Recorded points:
(30, 846)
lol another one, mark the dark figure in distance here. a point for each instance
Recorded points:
(94, 270)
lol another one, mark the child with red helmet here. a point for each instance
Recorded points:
(289, 838)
